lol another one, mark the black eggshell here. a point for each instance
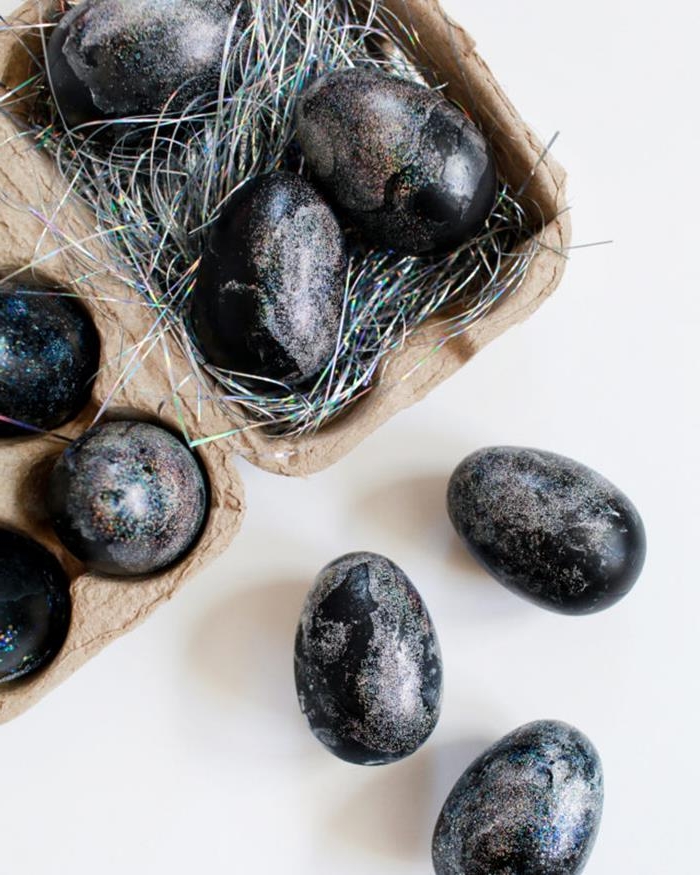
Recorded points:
(367, 661)
(127, 498)
(117, 58)
(269, 293)
(405, 165)
(49, 355)
(529, 805)
(35, 606)
(548, 528)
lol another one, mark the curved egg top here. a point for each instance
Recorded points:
(117, 58)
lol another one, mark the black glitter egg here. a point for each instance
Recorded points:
(269, 294)
(530, 805)
(49, 355)
(548, 528)
(35, 606)
(119, 58)
(127, 498)
(367, 661)
(404, 164)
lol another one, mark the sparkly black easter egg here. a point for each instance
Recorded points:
(127, 498)
(404, 164)
(119, 58)
(529, 805)
(548, 528)
(269, 294)
(49, 355)
(35, 606)
(367, 661)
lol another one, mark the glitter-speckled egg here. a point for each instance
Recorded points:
(548, 528)
(49, 355)
(127, 498)
(269, 294)
(529, 805)
(119, 58)
(405, 165)
(35, 606)
(367, 661)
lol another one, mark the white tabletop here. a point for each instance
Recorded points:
(181, 748)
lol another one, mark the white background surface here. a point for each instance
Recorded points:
(181, 748)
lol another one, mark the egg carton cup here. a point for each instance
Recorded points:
(36, 215)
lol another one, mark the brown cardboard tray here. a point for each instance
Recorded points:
(104, 609)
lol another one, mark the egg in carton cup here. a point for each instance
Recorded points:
(51, 240)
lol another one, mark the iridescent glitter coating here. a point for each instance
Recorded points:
(405, 165)
(547, 527)
(111, 58)
(367, 661)
(127, 498)
(269, 294)
(529, 805)
(49, 355)
(35, 606)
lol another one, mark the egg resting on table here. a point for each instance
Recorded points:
(405, 165)
(367, 661)
(49, 355)
(119, 58)
(35, 606)
(547, 527)
(127, 498)
(268, 299)
(529, 805)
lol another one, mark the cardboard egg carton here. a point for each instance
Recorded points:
(105, 608)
